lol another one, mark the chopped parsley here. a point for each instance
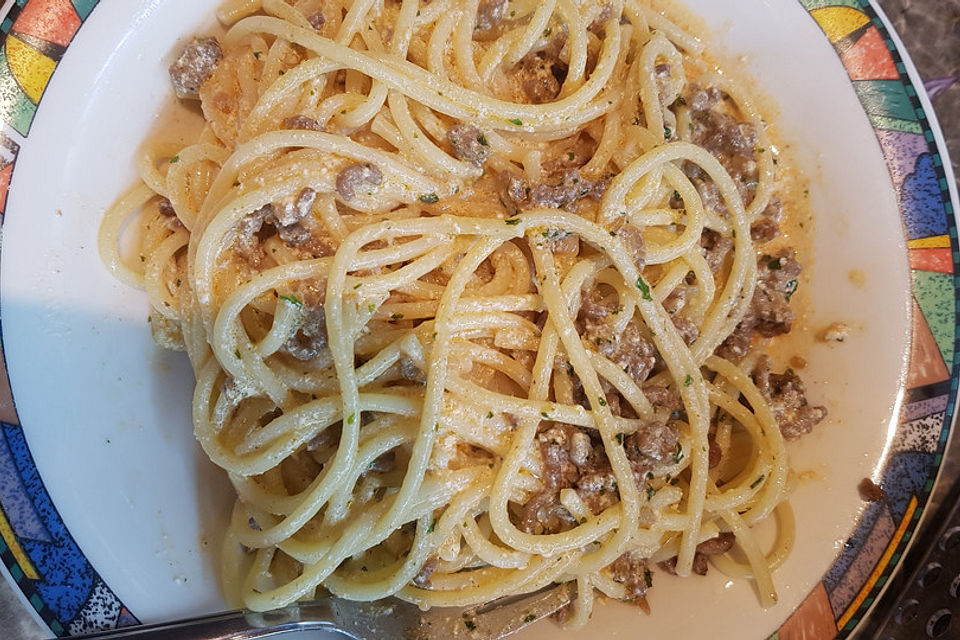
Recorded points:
(470, 624)
(371, 307)
(619, 438)
(513, 221)
(571, 155)
(292, 300)
(756, 482)
(516, 121)
(396, 316)
(433, 525)
(489, 415)
(688, 380)
(430, 198)
(174, 159)
(602, 401)
(544, 414)
(647, 576)
(678, 454)
(236, 354)
(644, 288)
(789, 289)
(482, 139)
(547, 32)
(651, 492)
(351, 418)
(529, 617)
(667, 133)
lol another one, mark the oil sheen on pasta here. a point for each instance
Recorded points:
(477, 296)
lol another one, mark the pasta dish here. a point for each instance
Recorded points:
(477, 294)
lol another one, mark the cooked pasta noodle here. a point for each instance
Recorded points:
(469, 289)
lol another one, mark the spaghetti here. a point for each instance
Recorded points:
(470, 290)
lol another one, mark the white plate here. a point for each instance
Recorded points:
(105, 413)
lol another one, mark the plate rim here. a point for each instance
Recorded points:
(927, 254)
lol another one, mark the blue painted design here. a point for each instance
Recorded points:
(66, 576)
(921, 201)
(84, 7)
(18, 508)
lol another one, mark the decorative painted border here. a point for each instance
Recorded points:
(37, 550)
(879, 76)
(71, 598)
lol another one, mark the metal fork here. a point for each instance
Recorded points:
(382, 620)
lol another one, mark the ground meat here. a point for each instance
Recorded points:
(384, 464)
(410, 371)
(430, 566)
(310, 340)
(469, 143)
(769, 313)
(663, 397)
(247, 242)
(514, 191)
(541, 73)
(870, 491)
(561, 242)
(571, 188)
(302, 122)
(294, 211)
(704, 99)
(730, 141)
(629, 350)
(194, 65)
(786, 395)
(631, 571)
(687, 329)
(716, 248)
(633, 240)
(166, 208)
(490, 13)
(764, 230)
(355, 175)
(656, 441)
(317, 20)
(674, 302)
(714, 546)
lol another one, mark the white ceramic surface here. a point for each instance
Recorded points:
(106, 412)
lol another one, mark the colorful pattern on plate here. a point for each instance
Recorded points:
(862, 40)
(37, 550)
(69, 595)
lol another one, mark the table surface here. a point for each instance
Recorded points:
(930, 29)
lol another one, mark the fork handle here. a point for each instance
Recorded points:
(231, 625)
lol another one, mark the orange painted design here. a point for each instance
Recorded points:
(839, 22)
(5, 174)
(881, 565)
(31, 68)
(926, 362)
(939, 260)
(813, 619)
(51, 20)
(870, 59)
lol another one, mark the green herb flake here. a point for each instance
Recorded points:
(516, 121)
(647, 578)
(678, 454)
(489, 415)
(513, 221)
(436, 426)
(544, 414)
(470, 624)
(371, 307)
(651, 492)
(757, 482)
(620, 438)
(292, 300)
(351, 418)
(433, 526)
(482, 139)
(529, 618)
(257, 54)
(396, 316)
(236, 354)
(547, 32)
(688, 380)
(644, 288)
(667, 133)
(174, 159)
(571, 155)
(430, 198)
(357, 286)
(789, 289)
(602, 401)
